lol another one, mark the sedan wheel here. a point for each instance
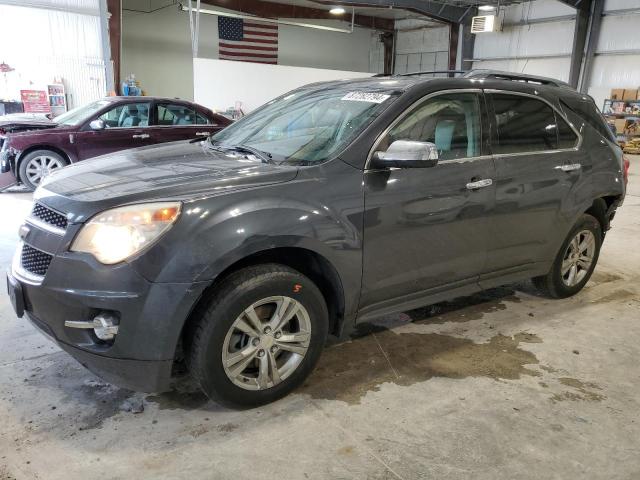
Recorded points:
(41, 166)
(36, 165)
(266, 343)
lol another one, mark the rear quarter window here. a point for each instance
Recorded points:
(589, 113)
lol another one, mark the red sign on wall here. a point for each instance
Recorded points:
(35, 101)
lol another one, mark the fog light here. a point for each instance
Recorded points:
(105, 325)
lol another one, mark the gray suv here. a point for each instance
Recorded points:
(328, 206)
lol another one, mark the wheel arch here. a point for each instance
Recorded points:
(33, 148)
(310, 263)
(600, 209)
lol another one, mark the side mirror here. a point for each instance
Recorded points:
(97, 124)
(407, 154)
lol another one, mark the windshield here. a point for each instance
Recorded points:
(78, 115)
(305, 127)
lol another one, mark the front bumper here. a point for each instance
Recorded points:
(151, 318)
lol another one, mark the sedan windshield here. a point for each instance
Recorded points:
(306, 127)
(79, 114)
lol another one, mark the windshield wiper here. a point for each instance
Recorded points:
(266, 157)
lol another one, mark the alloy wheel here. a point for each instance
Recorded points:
(266, 343)
(41, 166)
(578, 258)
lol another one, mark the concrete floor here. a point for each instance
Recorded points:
(500, 385)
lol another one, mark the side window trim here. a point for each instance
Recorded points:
(417, 104)
(559, 115)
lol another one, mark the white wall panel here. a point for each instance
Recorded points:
(548, 67)
(619, 33)
(621, 4)
(60, 44)
(536, 10)
(522, 41)
(157, 48)
(421, 49)
(218, 84)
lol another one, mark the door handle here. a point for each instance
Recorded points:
(202, 134)
(479, 184)
(142, 135)
(569, 168)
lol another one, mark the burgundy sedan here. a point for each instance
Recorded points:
(32, 151)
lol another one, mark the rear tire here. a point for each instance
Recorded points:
(575, 261)
(37, 165)
(243, 352)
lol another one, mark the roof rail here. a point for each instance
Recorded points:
(432, 72)
(516, 77)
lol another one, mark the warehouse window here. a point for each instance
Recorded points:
(451, 122)
(525, 125)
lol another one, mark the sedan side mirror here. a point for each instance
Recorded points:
(407, 154)
(97, 124)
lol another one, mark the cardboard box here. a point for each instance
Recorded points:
(630, 94)
(620, 123)
(617, 93)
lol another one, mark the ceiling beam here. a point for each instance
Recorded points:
(436, 10)
(281, 10)
(577, 4)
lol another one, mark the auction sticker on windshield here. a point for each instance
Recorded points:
(370, 97)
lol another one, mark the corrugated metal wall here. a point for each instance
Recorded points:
(419, 48)
(53, 38)
(538, 37)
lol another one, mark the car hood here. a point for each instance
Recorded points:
(182, 170)
(21, 121)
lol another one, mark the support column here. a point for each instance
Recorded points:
(454, 35)
(387, 42)
(114, 7)
(592, 44)
(580, 33)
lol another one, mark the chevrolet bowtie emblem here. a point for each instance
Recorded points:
(23, 231)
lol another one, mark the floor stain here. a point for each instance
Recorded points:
(616, 296)
(465, 309)
(102, 400)
(349, 370)
(178, 399)
(585, 391)
(348, 450)
(600, 277)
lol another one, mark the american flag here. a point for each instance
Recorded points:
(247, 40)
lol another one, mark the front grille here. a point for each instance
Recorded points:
(34, 261)
(47, 215)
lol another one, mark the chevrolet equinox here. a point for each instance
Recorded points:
(333, 204)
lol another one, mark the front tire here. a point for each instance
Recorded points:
(38, 164)
(259, 336)
(575, 261)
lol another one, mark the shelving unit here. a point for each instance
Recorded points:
(624, 115)
(57, 98)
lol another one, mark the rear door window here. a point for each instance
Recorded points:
(178, 115)
(523, 125)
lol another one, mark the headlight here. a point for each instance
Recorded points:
(115, 235)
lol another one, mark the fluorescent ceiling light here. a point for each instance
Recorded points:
(337, 11)
(486, 8)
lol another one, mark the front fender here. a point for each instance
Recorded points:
(309, 212)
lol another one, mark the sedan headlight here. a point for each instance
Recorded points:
(115, 235)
